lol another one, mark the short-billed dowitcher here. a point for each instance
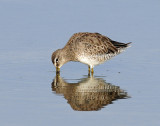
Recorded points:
(88, 48)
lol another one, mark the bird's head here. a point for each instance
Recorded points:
(58, 58)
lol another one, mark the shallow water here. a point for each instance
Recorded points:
(123, 91)
(88, 94)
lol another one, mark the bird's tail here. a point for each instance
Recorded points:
(120, 45)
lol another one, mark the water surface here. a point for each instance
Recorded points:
(88, 94)
(123, 91)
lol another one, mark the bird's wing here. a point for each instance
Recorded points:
(92, 43)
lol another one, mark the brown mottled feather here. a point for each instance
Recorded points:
(92, 42)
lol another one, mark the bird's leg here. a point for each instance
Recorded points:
(89, 70)
(57, 71)
(92, 71)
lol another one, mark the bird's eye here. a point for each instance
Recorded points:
(56, 60)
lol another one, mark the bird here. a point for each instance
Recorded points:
(88, 48)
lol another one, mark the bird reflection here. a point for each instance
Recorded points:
(88, 94)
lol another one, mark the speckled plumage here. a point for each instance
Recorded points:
(89, 48)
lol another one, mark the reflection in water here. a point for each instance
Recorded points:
(89, 94)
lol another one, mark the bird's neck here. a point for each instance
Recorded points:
(67, 54)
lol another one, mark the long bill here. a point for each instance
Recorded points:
(57, 70)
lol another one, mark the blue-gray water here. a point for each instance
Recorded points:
(31, 30)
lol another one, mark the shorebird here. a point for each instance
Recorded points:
(88, 48)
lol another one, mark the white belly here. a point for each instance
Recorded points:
(92, 60)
